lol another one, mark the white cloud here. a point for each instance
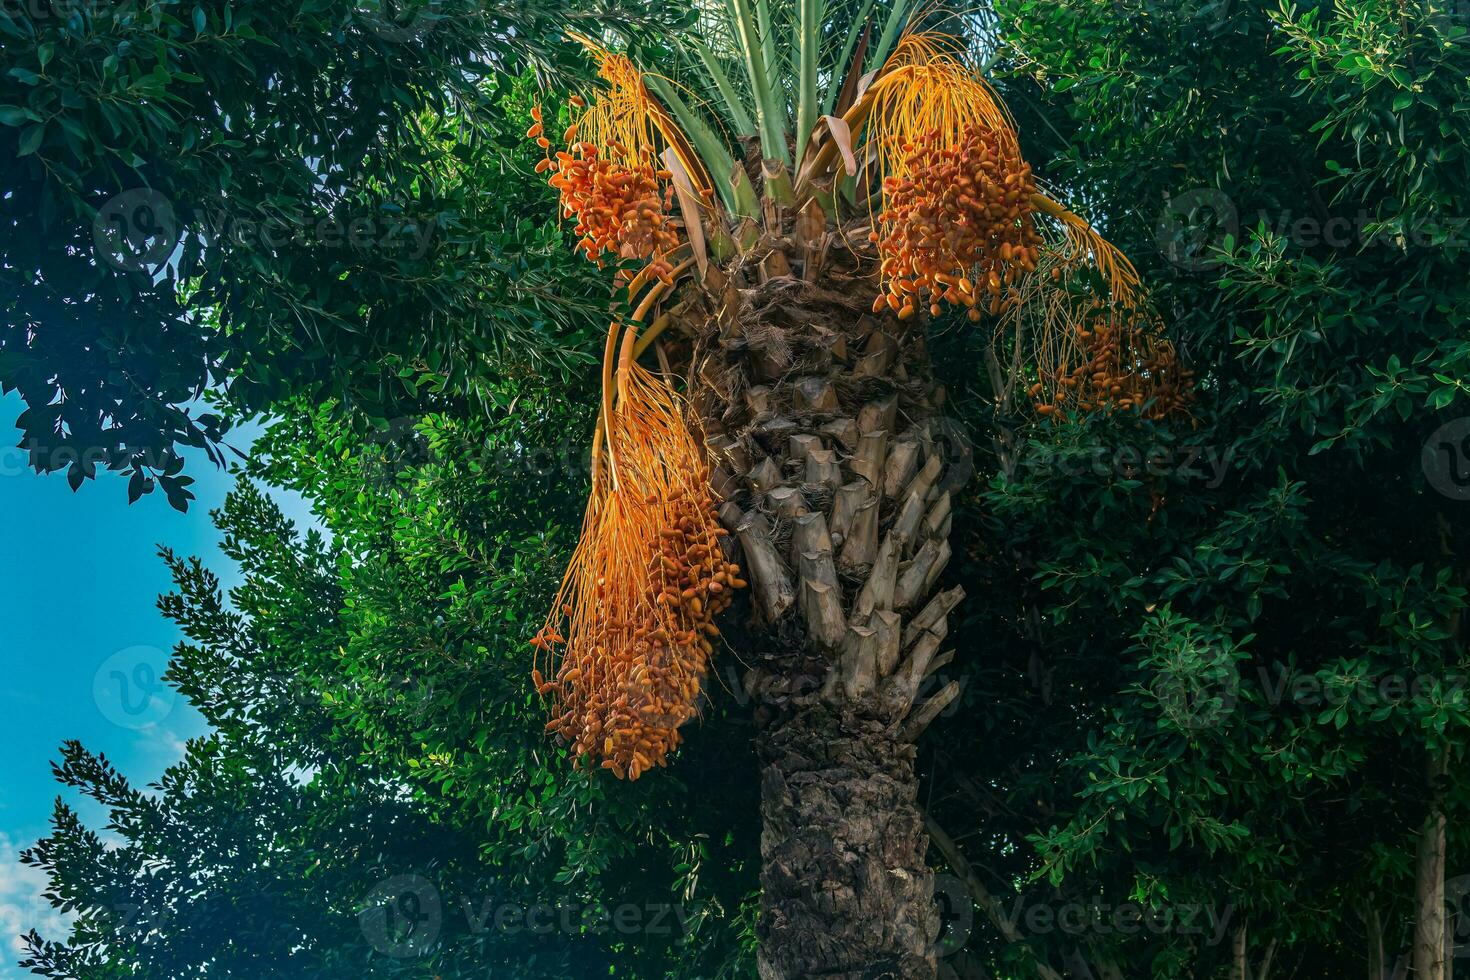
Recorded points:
(23, 906)
(166, 744)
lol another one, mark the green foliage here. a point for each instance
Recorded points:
(453, 560)
(256, 200)
(1218, 657)
(374, 722)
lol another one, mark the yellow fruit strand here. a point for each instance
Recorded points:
(625, 646)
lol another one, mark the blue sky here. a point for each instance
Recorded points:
(82, 643)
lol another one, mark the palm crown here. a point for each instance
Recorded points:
(876, 142)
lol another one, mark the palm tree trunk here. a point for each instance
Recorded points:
(845, 892)
(823, 422)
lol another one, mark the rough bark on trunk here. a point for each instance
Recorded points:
(822, 421)
(845, 892)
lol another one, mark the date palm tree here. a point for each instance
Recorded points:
(786, 201)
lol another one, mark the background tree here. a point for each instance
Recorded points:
(363, 808)
(253, 200)
(1232, 668)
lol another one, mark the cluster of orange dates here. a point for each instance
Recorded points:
(624, 699)
(962, 210)
(620, 210)
(1122, 367)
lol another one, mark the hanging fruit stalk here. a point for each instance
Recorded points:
(1105, 349)
(960, 224)
(955, 226)
(626, 648)
(619, 210)
(628, 644)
